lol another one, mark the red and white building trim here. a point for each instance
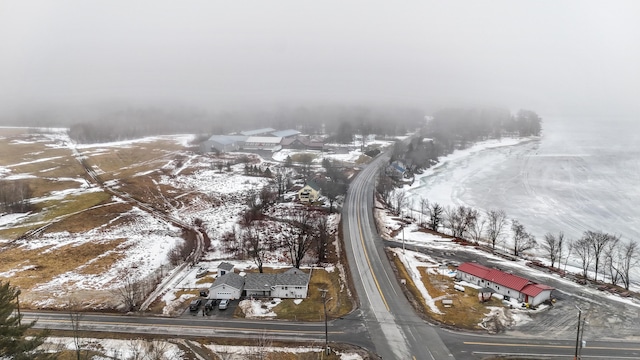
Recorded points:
(503, 283)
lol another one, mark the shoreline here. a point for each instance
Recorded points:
(459, 154)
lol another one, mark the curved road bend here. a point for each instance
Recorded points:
(394, 327)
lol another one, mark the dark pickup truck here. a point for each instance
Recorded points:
(195, 305)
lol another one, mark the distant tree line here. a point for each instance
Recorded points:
(15, 196)
(458, 128)
(341, 122)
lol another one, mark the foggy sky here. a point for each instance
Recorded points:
(555, 57)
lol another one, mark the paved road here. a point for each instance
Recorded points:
(348, 329)
(396, 331)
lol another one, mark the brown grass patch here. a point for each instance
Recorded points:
(91, 218)
(205, 280)
(311, 308)
(104, 263)
(410, 285)
(125, 162)
(466, 311)
(45, 187)
(49, 264)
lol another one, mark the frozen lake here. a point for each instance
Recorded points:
(583, 174)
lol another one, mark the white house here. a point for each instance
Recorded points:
(293, 283)
(227, 286)
(309, 193)
(503, 283)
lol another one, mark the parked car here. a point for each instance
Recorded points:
(195, 305)
(210, 304)
(224, 303)
(204, 293)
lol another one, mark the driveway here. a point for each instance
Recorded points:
(215, 313)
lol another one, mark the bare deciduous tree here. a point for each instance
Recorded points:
(322, 238)
(254, 246)
(522, 240)
(552, 245)
(459, 219)
(582, 248)
(628, 260)
(424, 208)
(399, 199)
(496, 221)
(435, 216)
(610, 261)
(305, 222)
(384, 186)
(598, 241)
(75, 316)
(131, 293)
(476, 229)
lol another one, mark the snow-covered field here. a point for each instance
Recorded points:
(125, 243)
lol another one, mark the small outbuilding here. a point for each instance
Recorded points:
(224, 268)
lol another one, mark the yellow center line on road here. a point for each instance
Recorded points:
(366, 256)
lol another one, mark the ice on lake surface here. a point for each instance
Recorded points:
(583, 174)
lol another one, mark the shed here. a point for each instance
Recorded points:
(224, 268)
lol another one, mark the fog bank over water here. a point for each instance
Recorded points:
(581, 175)
(569, 57)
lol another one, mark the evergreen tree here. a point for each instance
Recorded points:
(14, 343)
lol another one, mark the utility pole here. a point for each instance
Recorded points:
(403, 238)
(326, 327)
(18, 307)
(575, 357)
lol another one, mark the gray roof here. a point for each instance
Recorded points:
(257, 131)
(264, 282)
(227, 139)
(261, 282)
(293, 277)
(226, 266)
(285, 133)
(312, 184)
(232, 279)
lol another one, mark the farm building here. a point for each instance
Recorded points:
(258, 132)
(503, 283)
(262, 143)
(223, 143)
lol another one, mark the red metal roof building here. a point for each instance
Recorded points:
(504, 283)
